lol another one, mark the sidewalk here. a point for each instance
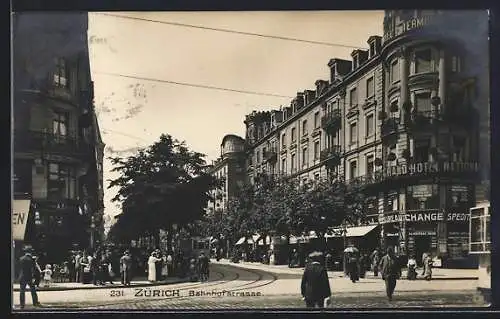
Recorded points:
(437, 273)
(140, 282)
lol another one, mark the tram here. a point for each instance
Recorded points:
(193, 247)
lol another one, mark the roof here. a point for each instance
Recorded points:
(231, 136)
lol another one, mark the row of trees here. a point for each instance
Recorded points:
(161, 186)
(288, 207)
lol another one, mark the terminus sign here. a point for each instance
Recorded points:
(406, 25)
(429, 216)
(432, 167)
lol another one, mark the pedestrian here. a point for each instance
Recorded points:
(158, 265)
(152, 267)
(412, 268)
(126, 268)
(203, 262)
(315, 287)
(428, 268)
(424, 259)
(389, 266)
(47, 275)
(353, 265)
(78, 267)
(94, 269)
(85, 265)
(375, 262)
(27, 267)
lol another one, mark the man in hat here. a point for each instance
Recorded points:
(203, 262)
(26, 276)
(389, 266)
(315, 288)
(126, 268)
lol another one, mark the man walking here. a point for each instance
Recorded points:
(390, 268)
(78, 267)
(203, 267)
(27, 269)
(126, 268)
(315, 288)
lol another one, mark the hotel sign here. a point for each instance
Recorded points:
(432, 167)
(424, 216)
(404, 26)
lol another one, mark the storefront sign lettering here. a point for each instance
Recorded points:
(407, 25)
(20, 211)
(432, 216)
(423, 233)
(434, 167)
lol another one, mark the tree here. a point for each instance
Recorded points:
(165, 184)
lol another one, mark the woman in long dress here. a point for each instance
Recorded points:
(152, 267)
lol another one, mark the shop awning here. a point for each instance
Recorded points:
(358, 231)
(240, 241)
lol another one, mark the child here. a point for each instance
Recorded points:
(47, 275)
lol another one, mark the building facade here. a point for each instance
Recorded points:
(405, 120)
(58, 150)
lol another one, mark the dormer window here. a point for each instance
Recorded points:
(333, 73)
(354, 62)
(372, 49)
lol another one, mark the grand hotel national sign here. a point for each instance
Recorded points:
(426, 168)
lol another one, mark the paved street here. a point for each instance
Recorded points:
(237, 287)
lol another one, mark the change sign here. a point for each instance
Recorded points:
(20, 211)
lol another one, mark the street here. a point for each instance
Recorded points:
(235, 287)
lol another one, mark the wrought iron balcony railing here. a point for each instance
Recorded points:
(331, 121)
(41, 142)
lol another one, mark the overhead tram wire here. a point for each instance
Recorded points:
(193, 85)
(178, 24)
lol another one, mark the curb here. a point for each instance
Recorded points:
(92, 287)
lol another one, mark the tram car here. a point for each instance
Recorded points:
(193, 247)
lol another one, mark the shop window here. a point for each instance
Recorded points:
(423, 60)
(61, 183)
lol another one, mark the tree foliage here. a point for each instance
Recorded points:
(162, 185)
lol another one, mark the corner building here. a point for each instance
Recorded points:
(404, 120)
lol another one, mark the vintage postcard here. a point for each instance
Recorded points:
(264, 160)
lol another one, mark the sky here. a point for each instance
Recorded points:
(135, 112)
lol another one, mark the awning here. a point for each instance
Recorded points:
(261, 241)
(296, 240)
(240, 241)
(357, 231)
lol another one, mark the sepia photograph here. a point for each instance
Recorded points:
(333, 160)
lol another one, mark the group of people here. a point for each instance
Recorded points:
(159, 265)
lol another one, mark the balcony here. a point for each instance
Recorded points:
(389, 127)
(331, 155)
(40, 142)
(366, 180)
(331, 121)
(271, 156)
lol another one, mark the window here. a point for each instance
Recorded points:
(422, 150)
(394, 73)
(316, 120)
(458, 148)
(370, 87)
(455, 64)
(258, 156)
(370, 166)
(316, 176)
(292, 165)
(304, 157)
(423, 102)
(283, 165)
(333, 106)
(423, 61)
(61, 182)
(392, 150)
(60, 123)
(316, 150)
(294, 134)
(304, 127)
(353, 167)
(61, 73)
(372, 49)
(273, 146)
(283, 140)
(264, 152)
(370, 124)
(353, 97)
(353, 133)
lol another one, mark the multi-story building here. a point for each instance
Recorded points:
(230, 170)
(58, 151)
(403, 120)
